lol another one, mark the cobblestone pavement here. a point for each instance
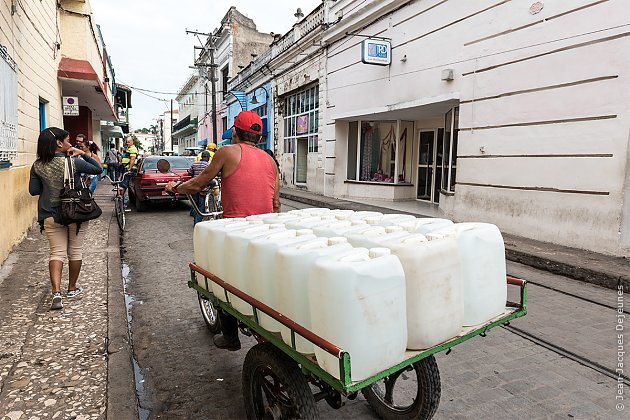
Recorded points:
(52, 363)
(497, 377)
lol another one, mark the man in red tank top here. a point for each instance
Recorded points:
(249, 185)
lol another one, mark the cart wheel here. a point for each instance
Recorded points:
(398, 396)
(209, 313)
(274, 387)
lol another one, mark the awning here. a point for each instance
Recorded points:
(227, 134)
(185, 131)
(224, 142)
(182, 123)
(111, 131)
(78, 78)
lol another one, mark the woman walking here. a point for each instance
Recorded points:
(47, 181)
(92, 150)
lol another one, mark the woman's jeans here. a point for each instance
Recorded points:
(93, 183)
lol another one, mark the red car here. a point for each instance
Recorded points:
(148, 185)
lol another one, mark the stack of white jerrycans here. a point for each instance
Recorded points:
(375, 285)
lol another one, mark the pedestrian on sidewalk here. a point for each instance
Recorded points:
(250, 185)
(129, 167)
(112, 159)
(89, 147)
(200, 197)
(47, 181)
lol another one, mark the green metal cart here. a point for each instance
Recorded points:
(279, 382)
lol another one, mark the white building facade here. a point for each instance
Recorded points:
(297, 63)
(190, 106)
(501, 111)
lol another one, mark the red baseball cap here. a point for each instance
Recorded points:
(248, 121)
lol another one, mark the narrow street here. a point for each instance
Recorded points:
(554, 363)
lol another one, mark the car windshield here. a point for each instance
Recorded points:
(177, 162)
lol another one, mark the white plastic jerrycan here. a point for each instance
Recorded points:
(357, 302)
(338, 228)
(261, 271)
(255, 217)
(200, 244)
(235, 252)
(281, 218)
(215, 256)
(435, 297)
(294, 263)
(298, 223)
(342, 214)
(317, 211)
(482, 254)
(359, 215)
(425, 225)
(393, 219)
(376, 236)
(297, 211)
(310, 222)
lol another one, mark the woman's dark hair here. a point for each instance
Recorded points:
(247, 136)
(47, 143)
(93, 147)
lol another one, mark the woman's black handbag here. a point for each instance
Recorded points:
(77, 204)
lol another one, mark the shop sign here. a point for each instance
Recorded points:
(70, 106)
(376, 51)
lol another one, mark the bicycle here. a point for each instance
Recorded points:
(119, 202)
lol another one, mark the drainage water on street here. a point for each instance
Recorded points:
(130, 301)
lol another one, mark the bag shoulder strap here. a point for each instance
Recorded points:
(68, 173)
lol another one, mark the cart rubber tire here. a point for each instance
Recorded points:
(264, 362)
(140, 205)
(426, 401)
(211, 319)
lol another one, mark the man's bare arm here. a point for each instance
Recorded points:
(199, 182)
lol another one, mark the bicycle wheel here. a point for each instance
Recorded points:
(212, 206)
(119, 208)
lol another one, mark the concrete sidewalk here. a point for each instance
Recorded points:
(74, 363)
(578, 264)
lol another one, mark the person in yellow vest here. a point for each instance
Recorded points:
(211, 148)
(129, 166)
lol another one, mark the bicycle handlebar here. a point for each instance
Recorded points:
(116, 182)
(201, 213)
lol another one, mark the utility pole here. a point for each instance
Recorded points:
(171, 118)
(208, 48)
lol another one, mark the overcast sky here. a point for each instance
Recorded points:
(149, 48)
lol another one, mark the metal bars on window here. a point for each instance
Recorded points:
(301, 119)
(8, 106)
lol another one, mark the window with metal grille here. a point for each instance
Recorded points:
(301, 119)
(8, 107)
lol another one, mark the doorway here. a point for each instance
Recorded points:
(429, 178)
(301, 152)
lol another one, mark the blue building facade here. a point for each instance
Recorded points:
(259, 101)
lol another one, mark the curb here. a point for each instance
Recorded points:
(610, 280)
(599, 278)
(122, 401)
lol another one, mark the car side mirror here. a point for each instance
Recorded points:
(163, 166)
